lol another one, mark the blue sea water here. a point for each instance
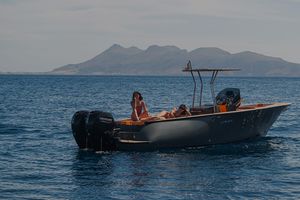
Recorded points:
(39, 158)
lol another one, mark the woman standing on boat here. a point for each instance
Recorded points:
(139, 108)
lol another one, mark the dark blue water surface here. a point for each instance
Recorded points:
(39, 158)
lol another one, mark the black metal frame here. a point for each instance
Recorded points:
(212, 82)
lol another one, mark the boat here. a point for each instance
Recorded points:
(224, 121)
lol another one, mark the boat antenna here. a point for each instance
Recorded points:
(188, 66)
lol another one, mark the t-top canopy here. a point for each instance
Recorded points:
(188, 68)
(210, 70)
(214, 71)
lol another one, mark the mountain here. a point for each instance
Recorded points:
(169, 60)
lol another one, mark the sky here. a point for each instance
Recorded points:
(40, 35)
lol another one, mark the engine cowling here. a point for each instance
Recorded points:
(95, 130)
(79, 128)
(100, 126)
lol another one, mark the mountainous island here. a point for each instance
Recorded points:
(170, 60)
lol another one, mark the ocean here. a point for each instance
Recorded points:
(39, 158)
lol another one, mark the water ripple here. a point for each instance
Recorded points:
(39, 158)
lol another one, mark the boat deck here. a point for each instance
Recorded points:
(129, 122)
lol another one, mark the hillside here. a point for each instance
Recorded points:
(169, 60)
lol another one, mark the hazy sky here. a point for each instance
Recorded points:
(39, 35)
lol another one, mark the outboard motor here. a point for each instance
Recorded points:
(94, 130)
(229, 97)
(100, 126)
(79, 128)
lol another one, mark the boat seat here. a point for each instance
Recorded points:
(206, 109)
(130, 122)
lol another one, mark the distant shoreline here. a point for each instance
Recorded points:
(130, 75)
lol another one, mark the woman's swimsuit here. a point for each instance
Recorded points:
(139, 109)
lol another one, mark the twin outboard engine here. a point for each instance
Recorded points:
(229, 97)
(94, 130)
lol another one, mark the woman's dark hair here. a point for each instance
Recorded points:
(140, 96)
(183, 107)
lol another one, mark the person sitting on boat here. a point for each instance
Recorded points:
(139, 108)
(182, 111)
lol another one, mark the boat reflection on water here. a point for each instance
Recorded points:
(173, 174)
